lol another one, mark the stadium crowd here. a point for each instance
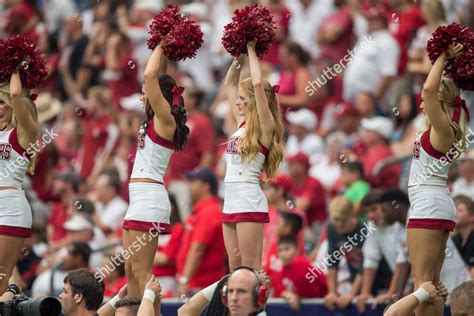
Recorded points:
(350, 74)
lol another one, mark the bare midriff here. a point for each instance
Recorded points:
(135, 180)
(8, 188)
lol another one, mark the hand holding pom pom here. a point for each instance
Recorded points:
(251, 24)
(460, 64)
(19, 54)
(179, 36)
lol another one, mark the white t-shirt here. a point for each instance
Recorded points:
(41, 285)
(112, 213)
(387, 242)
(305, 23)
(454, 271)
(311, 145)
(462, 186)
(374, 57)
(325, 172)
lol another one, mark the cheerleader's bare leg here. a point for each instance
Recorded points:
(426, 250)
(133, 290)
(232, 245)
(10, 251)
(250, 240)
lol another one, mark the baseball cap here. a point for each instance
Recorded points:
(299, 157)
(304, 117)
(205, 175)
(282, 181)
(78, 223)
(345, 109)
(378, 124)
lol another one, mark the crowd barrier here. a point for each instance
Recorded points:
(279, 307)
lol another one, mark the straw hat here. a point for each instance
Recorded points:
(48, 107)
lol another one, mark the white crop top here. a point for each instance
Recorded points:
(153, 154)
(14, 160)
(239, 170)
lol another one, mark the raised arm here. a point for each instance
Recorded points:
(27, 125)
(232, 84)
(432, 106)
(267, 123)
(152, 90)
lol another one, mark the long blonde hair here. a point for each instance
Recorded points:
(447, 92)
(5, 94)
(248, 143)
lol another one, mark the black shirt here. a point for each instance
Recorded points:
(467, 252)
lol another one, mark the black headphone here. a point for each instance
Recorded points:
(260, 292)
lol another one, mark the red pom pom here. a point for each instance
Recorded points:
(253, 23)
(18, 53)
(162, 24)
(461, 68)
(181, 36)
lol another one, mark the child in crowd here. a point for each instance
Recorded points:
(294, 278)
(352, 176)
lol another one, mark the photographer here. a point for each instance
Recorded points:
(241, 293)
(82, 293)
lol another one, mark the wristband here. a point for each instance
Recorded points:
(421, 294)
(114, 300)
(14, 289)
(149, 294)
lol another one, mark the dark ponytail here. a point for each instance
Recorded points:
(180, 138)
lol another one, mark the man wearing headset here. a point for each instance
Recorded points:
(241, 293)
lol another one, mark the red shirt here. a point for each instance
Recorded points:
(293, 278)
(200, 141)
(388, 177)
(170, 248)
(337, 49)
(282, 17)
(204, 225)
(403, 27)
(57, 218)
(127, 84)
(94, 138)
(111, 291)
(313, 190)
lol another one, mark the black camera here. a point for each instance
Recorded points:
(21, 305)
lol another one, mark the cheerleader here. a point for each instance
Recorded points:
(163, 130)
(432, 213)
(256, 145)
(19, 129)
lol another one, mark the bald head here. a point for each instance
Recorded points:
(240, 296)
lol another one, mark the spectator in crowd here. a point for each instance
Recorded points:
(465, 183)
(302, 138)
(289, 224)
(335, 33)
(201, 258)
(396, 204)
(376, 65)
(49, 282)
(199, 152)
(115, 278)
(352, 176)
(346, 235)
(82, 293)
(405, 112)
(110, 208)
(164, 264)
(243, 292)
(294, 274)
(464, 238)
(66, 186)
(308, 192)
(385, 258)
(365, 104)
(375, 135)
(294, 77)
